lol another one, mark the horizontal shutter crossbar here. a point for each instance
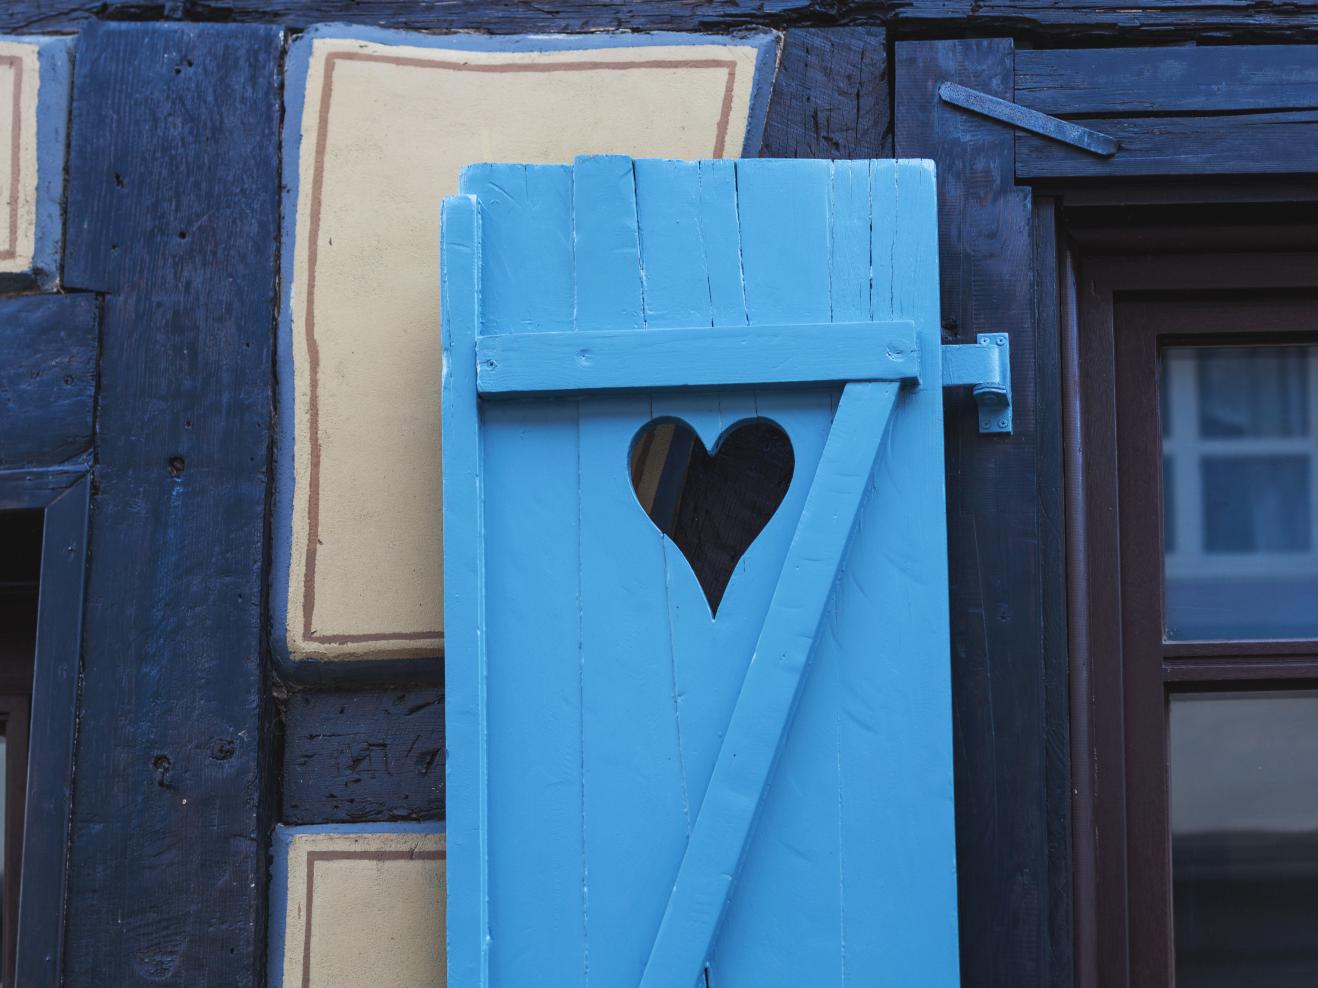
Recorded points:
(516, 364)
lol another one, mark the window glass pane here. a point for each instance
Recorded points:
(1244, 816)
(1256, 503)
(1240, 450)
(1168, 505)
(1253, 391)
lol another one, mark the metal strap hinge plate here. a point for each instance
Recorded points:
(984, 367)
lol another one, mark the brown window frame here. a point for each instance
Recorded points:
(1122, 672)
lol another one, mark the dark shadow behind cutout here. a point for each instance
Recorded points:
(713, 506)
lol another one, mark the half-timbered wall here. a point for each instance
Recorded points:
(219, 244)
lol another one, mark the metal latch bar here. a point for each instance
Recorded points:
(984, 367)
(1023, 117)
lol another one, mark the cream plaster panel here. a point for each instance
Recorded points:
(385, 131)
(373, 913)
(19, 81)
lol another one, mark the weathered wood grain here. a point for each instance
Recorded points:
(36, 487)
(1225, 110)
(1089, 81)
(47, 378)
(993, 524)
(830, 98)
(1149, 20)
(364, 756)
(175, 216)
(1215, 144)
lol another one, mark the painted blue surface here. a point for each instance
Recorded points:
(295, 84)
(985, 367)
(717, 843)
(280, 844)
(54, 73)
(783, 773)
(705, 357)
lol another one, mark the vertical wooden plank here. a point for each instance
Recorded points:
(173, 200)
(606, 255)
(891, 640)
(787, 268)
(634, 807)
(711, 656)
(526, 242)
(1052, 561)
(709, 676)
(992, 485)
(851, 262)
(785, 257)
(465, 772)
(759, 724)
(676, 282)
(722, 239)
(530, 476)
(50, 742)
(684, 211)
(830, 98)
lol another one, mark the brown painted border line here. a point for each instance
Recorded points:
(313, 236)
(15, 153)
(314, 856)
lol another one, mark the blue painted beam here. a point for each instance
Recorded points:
(778, 668)
(704, 357)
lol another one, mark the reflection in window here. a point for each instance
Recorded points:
(1252, 392)
(1244, 814)
(1256, 504)
(1240, 449)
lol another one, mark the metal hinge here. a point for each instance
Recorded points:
(984, 367)
(1015, 115)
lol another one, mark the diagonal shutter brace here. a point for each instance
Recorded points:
(984, 367)
(1015, 115)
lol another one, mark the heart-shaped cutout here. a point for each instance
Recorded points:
(712, 505)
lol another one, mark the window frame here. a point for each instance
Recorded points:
(1122, 672)
(14, 712)
(35, 939)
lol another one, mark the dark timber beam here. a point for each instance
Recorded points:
(363, 756)
(830, 97)
(47, 379)
(173, 199)
(999, 705)
(1093, 20)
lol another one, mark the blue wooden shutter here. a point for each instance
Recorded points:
(639, 793)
